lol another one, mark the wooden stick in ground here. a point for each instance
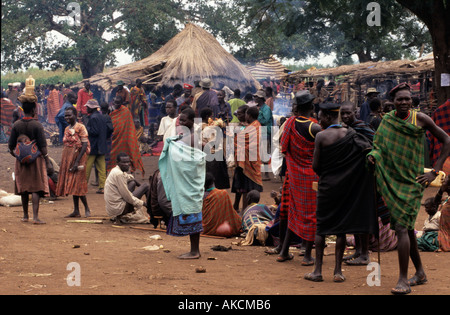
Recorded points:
(160, 230)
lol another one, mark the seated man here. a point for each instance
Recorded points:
(122, 192)
(219, 217)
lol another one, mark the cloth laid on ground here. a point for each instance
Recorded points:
(345, 197)
(257, 232)
(217, 209)
(302, 205)
(428, 242)
(182, 171)
(399, 154)
(124, 139)
(138, 216)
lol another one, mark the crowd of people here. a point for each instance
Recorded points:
(345, 171)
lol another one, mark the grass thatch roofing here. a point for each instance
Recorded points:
(193, 54)
(268, 68)
(367, 71)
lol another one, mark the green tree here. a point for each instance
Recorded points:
(104, 27)
(340, 26)
(435, 14)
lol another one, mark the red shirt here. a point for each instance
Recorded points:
(83, 97)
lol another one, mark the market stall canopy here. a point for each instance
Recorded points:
(269, 67)
(193, 54)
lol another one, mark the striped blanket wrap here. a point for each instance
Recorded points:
(303, 199)
(124, 139)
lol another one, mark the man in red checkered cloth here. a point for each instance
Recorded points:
(441, 117)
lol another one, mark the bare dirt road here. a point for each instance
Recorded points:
(37, 260)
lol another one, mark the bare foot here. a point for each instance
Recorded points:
(73, 215)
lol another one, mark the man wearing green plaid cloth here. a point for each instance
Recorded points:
(398, 157)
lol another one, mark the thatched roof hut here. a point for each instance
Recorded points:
(367, 71)
(352, 81)
(269, 67)
(193, 54)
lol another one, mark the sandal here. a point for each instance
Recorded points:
(338, 278)
(308, 263)
(100, 191)
(416, 281)
(400, 291)
(273, 251)
(281, 258)
(359, 261)
(312, 277)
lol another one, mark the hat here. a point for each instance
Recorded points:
(120, 82)
(206, 83)
(330, 106)
(303, 97)
(372, 90)
(187, 86)
(401, 86)
(260, 93)
(92, 103)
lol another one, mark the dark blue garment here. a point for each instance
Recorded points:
(99, 128)
(364, 111)
(60, 121)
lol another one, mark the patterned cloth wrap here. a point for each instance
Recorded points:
(27, 152)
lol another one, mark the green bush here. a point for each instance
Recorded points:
(41, 77)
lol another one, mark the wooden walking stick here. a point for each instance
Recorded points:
(376, 216)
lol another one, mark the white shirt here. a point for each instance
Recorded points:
(116, 192)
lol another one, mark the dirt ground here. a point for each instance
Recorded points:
(36, 259)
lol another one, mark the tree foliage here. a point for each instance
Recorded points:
(340, 26)
(105, 26)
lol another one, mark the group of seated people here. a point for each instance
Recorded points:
(123, 196)
(258, 223)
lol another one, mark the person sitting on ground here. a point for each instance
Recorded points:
(255, 218)
(427, 239)
(122, 192)
(444, 222)
(219, 217)
(157, 204)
